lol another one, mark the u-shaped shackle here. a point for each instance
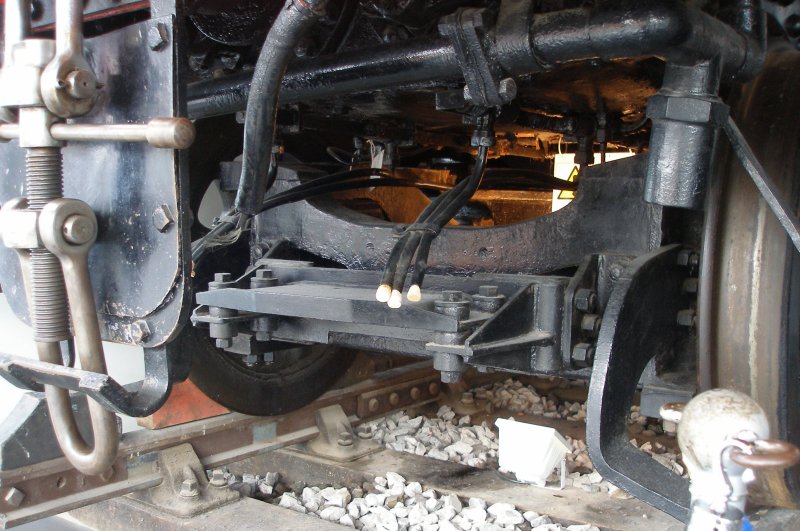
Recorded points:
(68, 228)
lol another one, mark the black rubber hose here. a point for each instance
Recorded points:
(447, 213)
(296, 17)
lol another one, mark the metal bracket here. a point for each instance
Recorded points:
(639, 323)
(185, 491)
(483, 89)
(336, 439)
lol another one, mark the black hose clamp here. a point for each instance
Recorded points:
(484, 86)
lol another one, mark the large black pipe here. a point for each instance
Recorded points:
(524, 43)
(410, 62)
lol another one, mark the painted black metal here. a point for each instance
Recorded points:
(138, 400)
(639, 324)
(338, 306)
(416, 61)
(686, 114)
(675, 31)
(138, 273)
(608, 215)
(291, 24)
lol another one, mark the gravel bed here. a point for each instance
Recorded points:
(450, 437)
(391, 503)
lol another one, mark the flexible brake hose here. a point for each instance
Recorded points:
(294, 19)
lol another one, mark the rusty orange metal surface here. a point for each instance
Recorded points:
(185, 403)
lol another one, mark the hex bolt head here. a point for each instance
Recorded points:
(189, 488)
(686, 317)
(263, 278)
(507, 89)
(585, 300)
(590, 323)
(218, 478)
(688, 258)
(14, 497)
(583, 355)
(394, 399)
(487, 291)
(162, 218)
(467, 398)
(345, 439)
(690, 285)
(416, 394)
(614, 272)
(450, 377)
(140, 331)
(222, 277)
(78, 229)
(157, 37)
(224, 342)
(452, 295)
(433, 389)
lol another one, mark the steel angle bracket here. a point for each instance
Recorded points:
(639, 324)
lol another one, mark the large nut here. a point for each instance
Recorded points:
(590, 323)
(585, 300)
(189, 488)
(583, 355)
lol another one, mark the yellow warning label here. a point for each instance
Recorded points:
(569, 194)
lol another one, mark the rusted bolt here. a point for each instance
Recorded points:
(162, 218)
(373, 405)
(218, 478)
(415, 393)
(189, 488)
(585, 300)
(433, 389)
(467, 398)
(157, 37)
(140, 331)
(14, 497)
(394, 399)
